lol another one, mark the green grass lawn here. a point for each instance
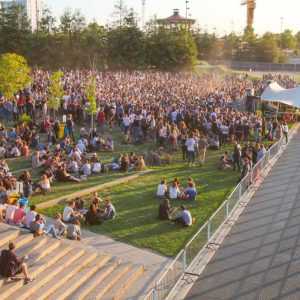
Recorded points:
(137, 207)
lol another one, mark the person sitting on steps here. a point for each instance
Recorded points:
(11, 265)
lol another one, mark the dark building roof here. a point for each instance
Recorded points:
(176, 18)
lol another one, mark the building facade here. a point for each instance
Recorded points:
(33, 10)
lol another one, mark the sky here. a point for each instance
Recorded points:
(221, 16)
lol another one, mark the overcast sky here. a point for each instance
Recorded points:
(220, 15)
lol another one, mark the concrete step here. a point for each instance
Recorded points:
(98, 292)
(94, 281)
(82, 274)
(43, 251)
(19, 241)
(120, 288)
(31, 247)
(64, 276)
(51, 278)
(37, 269)
(8, 235)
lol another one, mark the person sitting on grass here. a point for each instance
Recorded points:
(69, 214)
(190, 192)
(162, 189)
(11, 265)
(73, 231)
(184, 218)
(92, 216)
(165, 210)
(140, 164)
(63, 176)
(58, 228)
(44, 185)
(109, 211)
(174, 191)
(225, 162)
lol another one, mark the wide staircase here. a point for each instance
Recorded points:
(66, 270)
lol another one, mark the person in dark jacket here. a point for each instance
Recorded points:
(11, 265)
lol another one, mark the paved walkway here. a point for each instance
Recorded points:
(260, 258)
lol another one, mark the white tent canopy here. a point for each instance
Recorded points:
(275, 93)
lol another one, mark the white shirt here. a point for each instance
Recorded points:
(174, 192)
(97, 167)
(68, 211)
(190, 144)
(161, 190)
(187, 218)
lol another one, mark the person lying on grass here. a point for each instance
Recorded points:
(11, 265)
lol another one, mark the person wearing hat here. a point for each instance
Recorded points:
(11, 265)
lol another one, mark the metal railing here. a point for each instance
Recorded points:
(206, 234)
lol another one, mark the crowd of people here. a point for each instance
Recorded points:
(173, 111)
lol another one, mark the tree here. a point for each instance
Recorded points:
(14, 74)
(169, 49)
(126, 45)
(56, 91)
(15, 30)
(267, 49)
(206, 45)
(288, 40)
(91, 97)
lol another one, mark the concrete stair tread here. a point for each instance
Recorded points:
(19, 241)
(120, 288)
(35, 270)
(8, 235)
(99, 291)
(32, 246)
(64, 275)
(51, 273)
(95, 280)
(41, 252)
(88, 267)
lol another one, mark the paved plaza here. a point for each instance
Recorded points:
(260, 258)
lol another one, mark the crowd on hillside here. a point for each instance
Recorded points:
(175, 112)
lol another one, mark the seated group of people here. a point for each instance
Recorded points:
(175, 192)
(128, 162)
(96, 213)
(180, 216)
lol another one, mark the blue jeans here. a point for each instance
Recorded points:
(191, 156)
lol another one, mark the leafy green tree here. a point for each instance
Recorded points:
(206, 45)
(126, 45)
(91, 97)
(169, 49)
(288, 40)
(94, 46)
(56, 91)
(15, 30)
(267, 49)
(14, 74)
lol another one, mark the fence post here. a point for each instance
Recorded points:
(208, 230)
(154, 294)
(227, 208)
(240, 190)
(184, 261)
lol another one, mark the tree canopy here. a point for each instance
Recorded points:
(14, 74)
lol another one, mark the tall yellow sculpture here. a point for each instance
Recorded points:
(251, 5)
